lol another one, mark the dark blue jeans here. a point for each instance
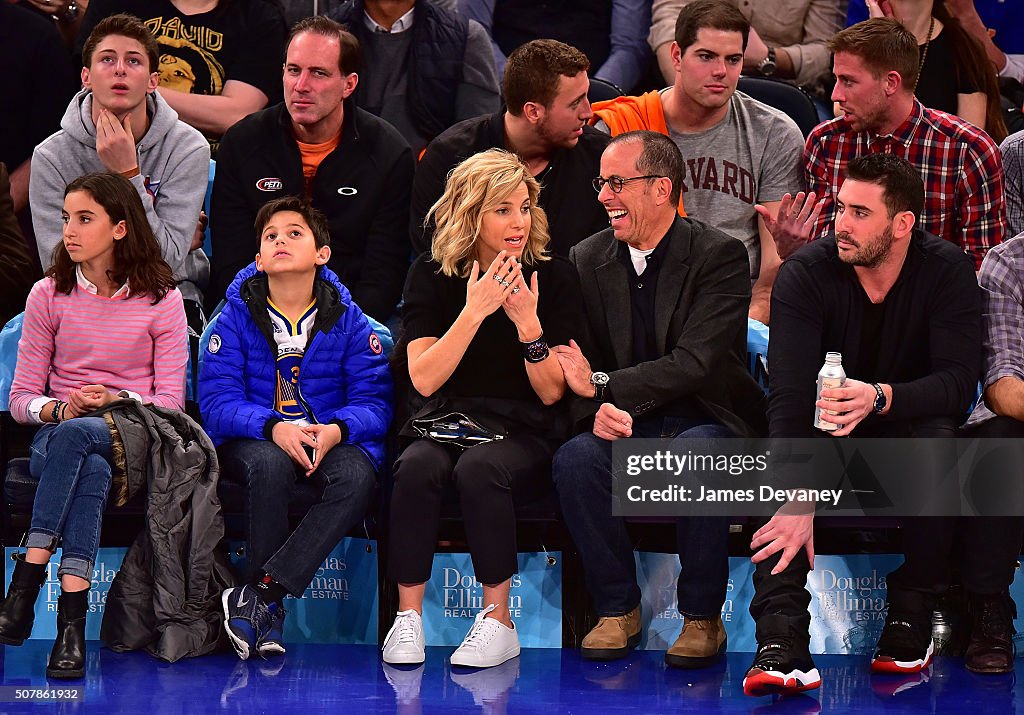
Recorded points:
(345, 478)
(582, 471)
(71, 460)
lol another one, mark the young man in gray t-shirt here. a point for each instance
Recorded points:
(738, 152)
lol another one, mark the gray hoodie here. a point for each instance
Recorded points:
(174, 162)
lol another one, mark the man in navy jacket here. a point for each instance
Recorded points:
(294, 386)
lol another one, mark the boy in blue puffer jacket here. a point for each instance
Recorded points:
(293, 386)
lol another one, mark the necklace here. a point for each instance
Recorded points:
(924, 55)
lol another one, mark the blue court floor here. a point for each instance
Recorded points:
(351, 679)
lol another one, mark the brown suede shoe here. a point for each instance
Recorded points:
(700, 643)
(613, 637)
(990, 649)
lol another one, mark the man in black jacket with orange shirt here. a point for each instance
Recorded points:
(354, 167)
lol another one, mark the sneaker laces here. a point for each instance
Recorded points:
(772, 653)
(482, 632)
(262, 617)
(405, 627)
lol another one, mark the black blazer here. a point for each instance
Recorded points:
(701, 306)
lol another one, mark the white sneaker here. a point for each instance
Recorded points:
(488, 643)
(404, 644)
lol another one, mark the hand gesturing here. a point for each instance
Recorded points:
(484, 293)
(795, 222)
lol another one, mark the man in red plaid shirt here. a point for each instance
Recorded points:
(876, 68)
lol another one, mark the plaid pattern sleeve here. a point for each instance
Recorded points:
(980, 199)
(1013, 169)
(960, 165)
(1002, 284)
(822, 173)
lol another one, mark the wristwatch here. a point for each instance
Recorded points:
(600, 381)
(767, 66)
(880, 401)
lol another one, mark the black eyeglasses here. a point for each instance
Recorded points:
(617, 182)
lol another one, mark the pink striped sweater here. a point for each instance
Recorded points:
(68, 341)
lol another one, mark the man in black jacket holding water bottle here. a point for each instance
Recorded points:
(903, 308)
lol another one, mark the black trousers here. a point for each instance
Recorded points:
(983, 549)
(991, 546)
(490, 480)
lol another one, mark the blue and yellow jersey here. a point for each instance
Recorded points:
(291, 338)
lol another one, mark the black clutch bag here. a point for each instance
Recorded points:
(456, 429)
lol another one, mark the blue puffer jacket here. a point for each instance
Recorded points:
(344, 376)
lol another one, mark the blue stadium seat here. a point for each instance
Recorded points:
(602, 90)
(795, 102)
(207, 244)
(9, 337)
(757, 352)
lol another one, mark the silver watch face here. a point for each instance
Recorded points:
(599, 378)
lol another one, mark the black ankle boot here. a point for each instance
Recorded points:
(67, 659)
(990, 649)
(18, 610)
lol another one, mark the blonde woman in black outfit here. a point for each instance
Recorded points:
(480, 312)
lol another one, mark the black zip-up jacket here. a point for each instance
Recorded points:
(362, 187)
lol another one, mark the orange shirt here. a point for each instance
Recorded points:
(624, 114)
(312, 155)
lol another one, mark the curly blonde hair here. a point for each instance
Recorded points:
(474, 187)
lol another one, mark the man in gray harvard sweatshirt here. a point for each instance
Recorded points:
(119, 123)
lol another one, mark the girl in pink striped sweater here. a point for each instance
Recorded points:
(105, 323)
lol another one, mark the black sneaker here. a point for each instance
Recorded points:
(906, 644)
(780, 668)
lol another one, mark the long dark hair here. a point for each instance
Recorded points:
(137, 256)
(972, 62)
